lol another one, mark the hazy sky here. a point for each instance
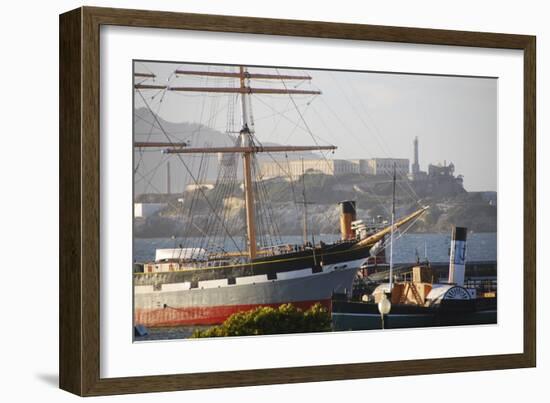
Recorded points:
(364, 114)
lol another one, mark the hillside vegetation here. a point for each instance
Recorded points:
(266, 320)
(373, 198)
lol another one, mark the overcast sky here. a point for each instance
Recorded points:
(364, 114)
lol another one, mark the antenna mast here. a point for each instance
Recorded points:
(305, 201)
(391, 231)
(168, 179)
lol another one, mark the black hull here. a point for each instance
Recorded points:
(348, 315)
(269, 265)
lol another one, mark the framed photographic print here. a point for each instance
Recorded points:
(250, 201)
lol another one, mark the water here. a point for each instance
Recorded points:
(169, 333)
(481, 246)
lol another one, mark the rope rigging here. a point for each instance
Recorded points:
(377, 134)
(221, 227)
(190, 173)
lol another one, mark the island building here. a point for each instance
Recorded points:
(294, 168)
(144, 210)
(190, 187)
(415, 169)
(442, 171)
(439, 180)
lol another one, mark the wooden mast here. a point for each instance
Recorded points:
(227, 90)
(175, 148)
(238, 75)
(157, 144)
(249, 205)
(145, 75)
(246, 141)
(371, 240)
(247, 147)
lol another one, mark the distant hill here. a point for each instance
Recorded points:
(152, 163)
(474, 210)
(151, 176)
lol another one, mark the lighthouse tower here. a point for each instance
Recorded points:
(415, 165)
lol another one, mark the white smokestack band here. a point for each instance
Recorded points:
(457, 264)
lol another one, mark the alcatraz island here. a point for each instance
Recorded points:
(158, 212)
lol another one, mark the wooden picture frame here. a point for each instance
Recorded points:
(79, 346)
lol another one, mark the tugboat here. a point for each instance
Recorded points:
(418, 299)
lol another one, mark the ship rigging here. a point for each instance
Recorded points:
(203, 285)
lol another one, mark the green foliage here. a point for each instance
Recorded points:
(266, 320)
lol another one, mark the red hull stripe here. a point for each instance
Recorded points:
(208, 315)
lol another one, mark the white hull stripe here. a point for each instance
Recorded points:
(289, 275)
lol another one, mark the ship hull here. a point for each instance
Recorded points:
(213, 304)
(348, 315)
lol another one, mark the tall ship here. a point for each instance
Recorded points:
(204, 285)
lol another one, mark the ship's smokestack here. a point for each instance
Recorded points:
(457, 263)
(347, 216)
